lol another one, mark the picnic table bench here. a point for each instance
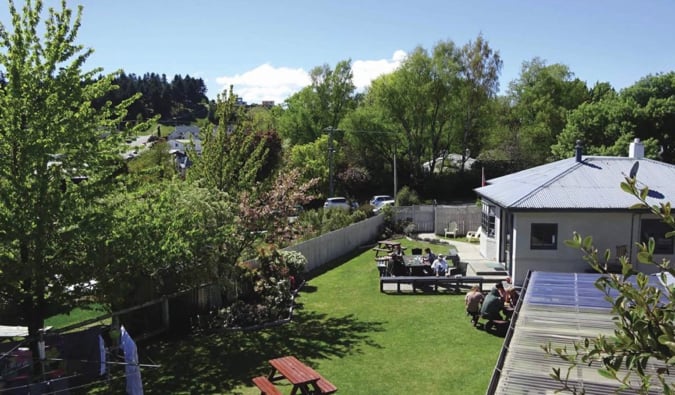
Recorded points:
(387, 246)
(304, 379)
(265, 386)
(445, 281)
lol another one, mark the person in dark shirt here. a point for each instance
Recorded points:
(492, 306)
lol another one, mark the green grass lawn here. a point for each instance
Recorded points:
(78, 314)
(363, 341)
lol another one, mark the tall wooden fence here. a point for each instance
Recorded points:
(433, 219)
(333, 245)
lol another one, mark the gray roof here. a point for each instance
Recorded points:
(593, 183)
(559, 308)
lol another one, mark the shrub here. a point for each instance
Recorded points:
(268, 286)
(407, 197)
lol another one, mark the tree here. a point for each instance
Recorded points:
(237, 163)
(480, 76)
(320, 105)
(608, 122)
(310, 161)
(232, 157)
(420, 101)
(540, 100)
(653, 99)
(60, 155)
(643, 313)
(162, 237)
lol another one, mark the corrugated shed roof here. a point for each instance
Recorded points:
(593, 183)
(557, 308)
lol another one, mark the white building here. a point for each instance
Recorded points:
(528, 215)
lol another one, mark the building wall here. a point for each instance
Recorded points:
(607, 229)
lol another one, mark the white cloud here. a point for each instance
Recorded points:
(267, 82)
(365, 71)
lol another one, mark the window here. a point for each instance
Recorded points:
(657, 230)
(544, 237)
(487, 221)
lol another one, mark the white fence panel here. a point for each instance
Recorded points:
(330, 246)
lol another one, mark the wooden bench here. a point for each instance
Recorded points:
(265, 386)
(325, 386)
(451, 281)
(417, 281)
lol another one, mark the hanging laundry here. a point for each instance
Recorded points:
(83, 351)
(132, 370)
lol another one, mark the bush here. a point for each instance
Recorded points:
(267, 284)
(407, 197)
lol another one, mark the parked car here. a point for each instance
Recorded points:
(384, 204)
(378, 199)
(337, 202)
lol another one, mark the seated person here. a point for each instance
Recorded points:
(429, 256)
(492, 306)
(398, 267)
(440, 266)
(473, 300)
(502, 292)
(512, 297)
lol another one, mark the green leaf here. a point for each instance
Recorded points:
(607, 373)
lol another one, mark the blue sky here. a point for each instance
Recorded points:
(265, 48)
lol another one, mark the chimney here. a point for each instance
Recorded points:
(577, 150)
(636, 149)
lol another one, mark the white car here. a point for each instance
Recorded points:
(337, 202)
(384, 204)
(378, 199)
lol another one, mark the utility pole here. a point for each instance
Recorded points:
(395, 186)
(331, 150)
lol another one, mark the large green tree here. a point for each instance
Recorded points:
(321, 105)
(654, 101)
(540, 100)
(479, 73)
(420, 100)
(59, 155)
(610, 120)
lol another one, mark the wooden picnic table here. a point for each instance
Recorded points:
(387, 246)
(416, 263)
(304, 379)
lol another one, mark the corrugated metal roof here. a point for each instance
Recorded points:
(593, 183)
(557, 308)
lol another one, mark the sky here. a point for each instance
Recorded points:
(265, 49)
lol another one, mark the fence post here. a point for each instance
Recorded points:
(165, 312)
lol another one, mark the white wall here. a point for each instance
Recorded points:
(607, 229)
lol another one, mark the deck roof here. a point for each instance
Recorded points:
(556, 308)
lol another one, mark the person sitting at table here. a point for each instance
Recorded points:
(429, 256)
(473, 301)
(398, 266)
(440, 266)
(492, 307)
(512, 296)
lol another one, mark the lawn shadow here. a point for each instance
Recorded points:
(220, 361)
(496, 329)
